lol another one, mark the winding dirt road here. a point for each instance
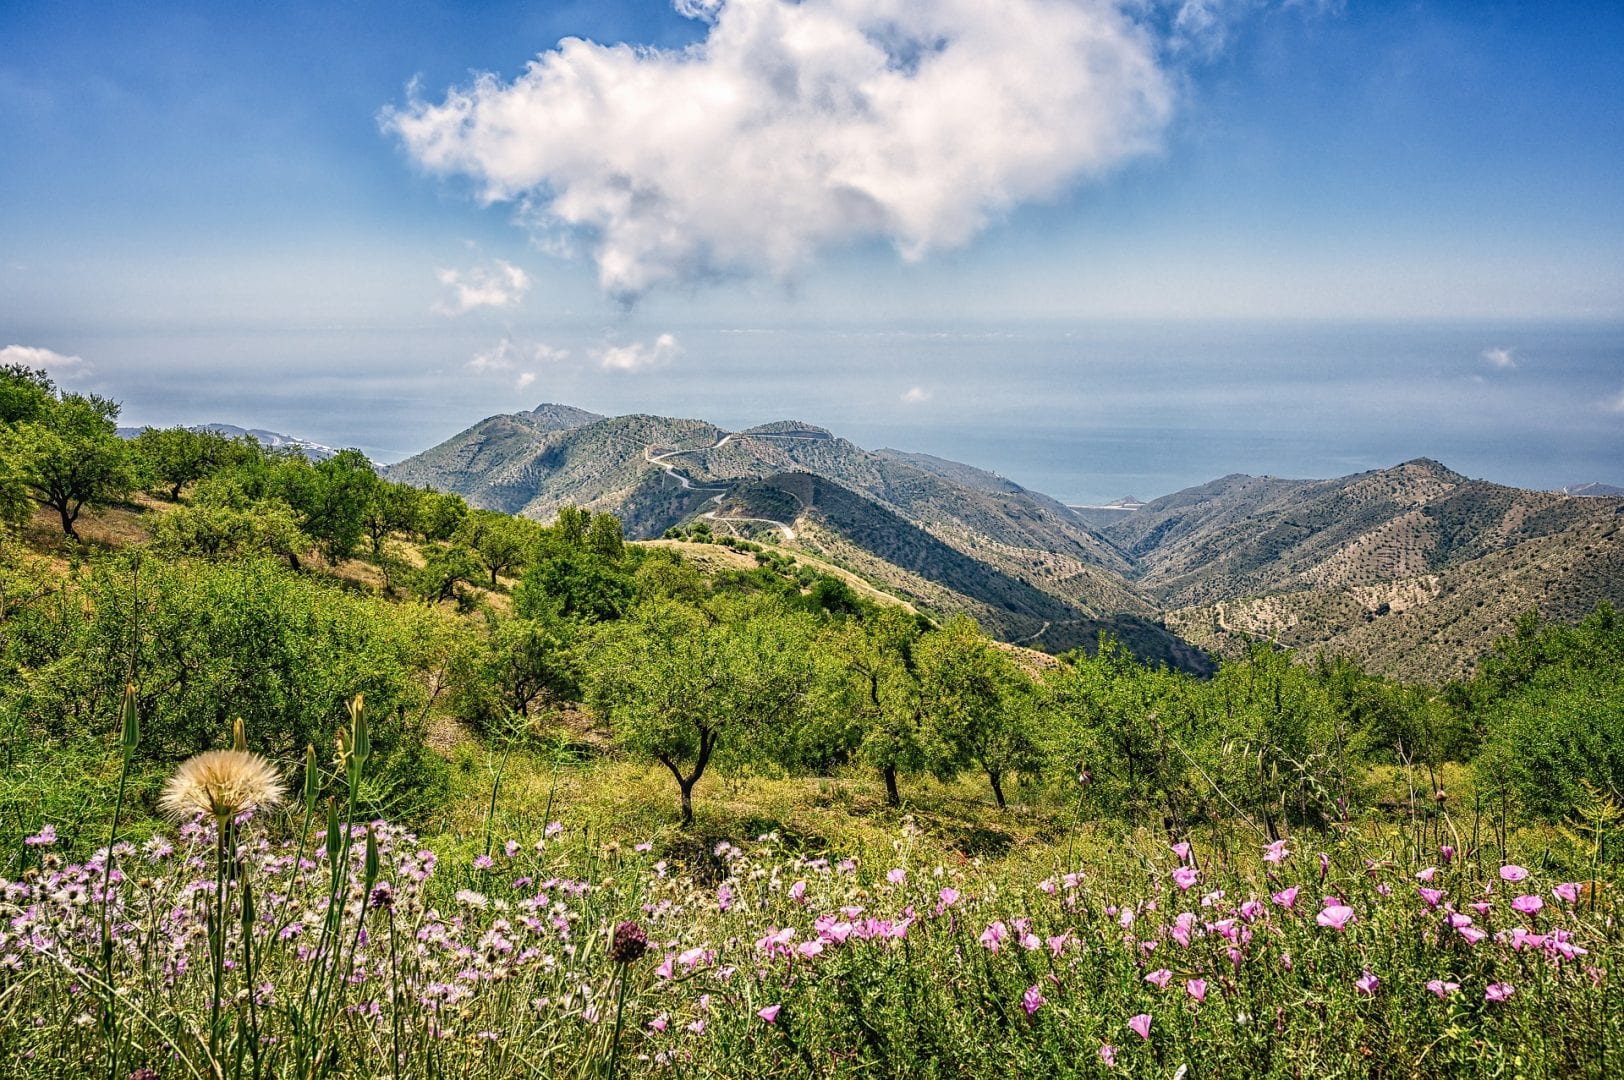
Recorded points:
(660, 459)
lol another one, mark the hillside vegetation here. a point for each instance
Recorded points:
(310, 773)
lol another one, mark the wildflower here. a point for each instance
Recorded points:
(1472, 934)
(810, 948)
(511, 849)
(221, 783)
(1276, 852)
(797, 891)
(1426, 873)
(382, 898)
(1433, 897)
(1108, 1055)
(1285, 960)
(1159, 978)
(1182, 850)
(1567, 892)
(1325, 865)
(1442, 989)
(993, 936)
(1512, 872)
(946, 899)
(44, 838)
(1185, 877)
(484, 862)
(1527, 904)
(896, 875)
(659, 1023)
(1367, 983)
(629, 944)
(1286, 898)
(1336, 917)
(1033, 999)
(1140, 1025)
(1447, 853)
(724, 896)
(553, 829)
(1057, 943)
(1196, 988)
(1498, 992)
(770, 1013)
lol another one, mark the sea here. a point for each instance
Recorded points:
(1085, 411)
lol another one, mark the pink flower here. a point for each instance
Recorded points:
(1325, 865)
(724, 896)
(1160, 978)
(1433, 897)
(770, 1013)
(1499, 992)
(1275, 852)
(1367, 983)
(1108, 1055)
(895, 876)
(1140, 1025)
(809, 949)
(1286, 898)
(1031, 942)
(1527, 904)
(1567, 892)
(1057, 943)
(1512, 872)
(1032, 1000)
(1185, 877)
(44, 838)
(1471, 933)
(1426, 873)
(1442, 989)
(1285, 961)
(1196, 988)
(946, 899)
(659, 1023)
(1336, 917)
(797, 891)
(1182, 850)
(993, 936)
(1448, 853)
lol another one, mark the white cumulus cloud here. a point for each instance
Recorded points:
(32, 356)
(1500, 358)
(915, 395)
(638, 355)
(498, 285)
(525, 379)
(798, 126)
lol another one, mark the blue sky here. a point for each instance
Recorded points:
(208, 197)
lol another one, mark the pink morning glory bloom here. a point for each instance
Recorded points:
(1472, 934)
(1182, 850)
(770, 1013)
(1433, 897)
(1335, 917)
(1567, 892)
(1367, 983)
(993, 936)
(1275, 852)
(1108, 1055)
(1159, 978)
(1527, 904)
(1442, 989)
(1286, 898)
(1032, 1000)
(1426, 873)
(1499, 992)
(1140, 1025)
(1185, 877)
(896, 875)
(1196, 988)
(1512, 872)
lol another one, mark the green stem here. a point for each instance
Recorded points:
(620, 1018)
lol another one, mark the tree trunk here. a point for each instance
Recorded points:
(997, 787)
(67, 521)
(892, 796)
(688, 800)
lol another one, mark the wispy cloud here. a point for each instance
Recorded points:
(1499, 358)
(507, 357)
(798, 126)
(33, 356)
(638, 355)
(915, 395)
(1616, 404)
(499, 285)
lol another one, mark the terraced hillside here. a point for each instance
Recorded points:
(1247, 536)
(1434, 626)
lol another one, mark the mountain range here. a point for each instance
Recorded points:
(1415, 568)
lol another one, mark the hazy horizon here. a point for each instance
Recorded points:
(1298, 237)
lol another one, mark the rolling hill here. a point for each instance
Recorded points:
(1415, 569)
